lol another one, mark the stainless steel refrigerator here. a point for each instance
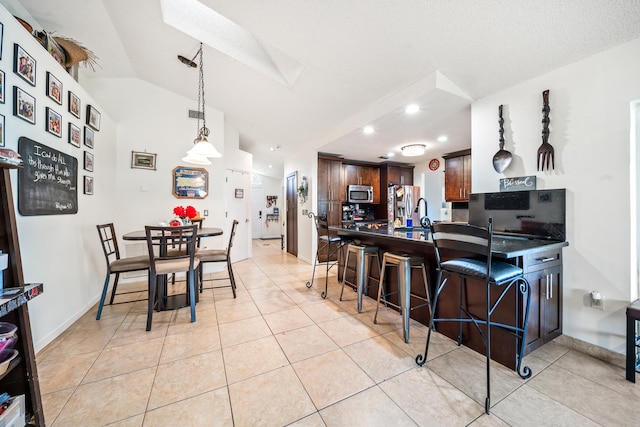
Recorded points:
(402, 200)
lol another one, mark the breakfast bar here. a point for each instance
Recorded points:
(541, 260)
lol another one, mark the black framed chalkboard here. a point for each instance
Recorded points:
(48, 181)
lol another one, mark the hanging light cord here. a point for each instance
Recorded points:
(201, 131)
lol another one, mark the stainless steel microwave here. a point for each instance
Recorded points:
(360, 194)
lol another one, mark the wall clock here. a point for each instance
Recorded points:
(434, 164)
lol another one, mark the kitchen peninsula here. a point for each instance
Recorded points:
(538, 255)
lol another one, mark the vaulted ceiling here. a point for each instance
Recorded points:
(328, 68)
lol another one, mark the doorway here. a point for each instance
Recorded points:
(257, 210)
(238, 206)
(292, 210)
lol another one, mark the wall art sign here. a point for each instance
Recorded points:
(190, 183)
(143, 160)
(48, 180)
(518, 184)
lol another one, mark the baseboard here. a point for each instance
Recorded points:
(593, 350)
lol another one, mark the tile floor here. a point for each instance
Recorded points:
(281, 355)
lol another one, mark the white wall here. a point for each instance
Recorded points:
(305, 163)
(432, 186)
(271, 187)
(590, 105)
(61, 251)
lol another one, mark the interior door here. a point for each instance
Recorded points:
(238, 206)
(257, 211)
(292, 219)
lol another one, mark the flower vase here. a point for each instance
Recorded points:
(185, 220)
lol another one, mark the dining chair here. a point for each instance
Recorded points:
(206, 255)
(116, 264)
(171, 250)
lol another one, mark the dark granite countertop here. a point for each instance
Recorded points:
(504, 246)
(12, 298)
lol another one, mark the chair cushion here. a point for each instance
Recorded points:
(169, 266)
(211, 255)
(330, 239)
(130, 264)
(500, 271)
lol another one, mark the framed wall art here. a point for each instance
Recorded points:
(74, 104)
(88, 137)
(1, 130)
(190, 183)
(88, 185)
(1, 38)
(88, 161)
(54, 88)
(74, 135)
(24, 105)
(143, 160)
(2, 85)
(24, 65)
(93, 117)
(54, 123)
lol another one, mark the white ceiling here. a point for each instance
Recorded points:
(362, 62)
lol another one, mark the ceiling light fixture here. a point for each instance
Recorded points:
(442, 138)
(412, 109)
(413, 150)
(367, 130)
(202, 148)
(391, 154)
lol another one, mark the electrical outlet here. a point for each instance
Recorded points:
(206, 212)
(305, 212)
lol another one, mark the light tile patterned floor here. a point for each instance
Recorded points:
(281, 355)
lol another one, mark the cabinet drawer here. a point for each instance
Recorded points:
(545, 259)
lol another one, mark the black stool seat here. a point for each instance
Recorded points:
(500, 271)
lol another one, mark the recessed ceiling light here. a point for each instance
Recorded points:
(274, 148)
(270, 166)
(442, 138)
(367, 130)
(412, 109)
(391, 154)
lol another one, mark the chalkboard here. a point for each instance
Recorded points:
(48, 182)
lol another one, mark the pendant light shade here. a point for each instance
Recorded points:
(202, 148)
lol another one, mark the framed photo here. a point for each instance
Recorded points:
(74, 135)
(24, 105)
(88, 185)
(74, 104)
(93, 117)
(2, 85)
(190, 183)
(88, 137)
(143, 160)
(1, 38)
(24, 65)
(1, 130)
(88, 161)
(54, 123)
(54, 88)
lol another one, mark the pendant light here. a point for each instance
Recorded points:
(202, 147)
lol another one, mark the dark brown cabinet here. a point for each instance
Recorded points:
(21, 377)
(457, 176)
(400, 175)
(330, 179)
(363, 175)
(544, 273)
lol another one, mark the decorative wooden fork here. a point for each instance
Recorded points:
(545, 151)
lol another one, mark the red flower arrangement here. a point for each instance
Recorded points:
(188, 212)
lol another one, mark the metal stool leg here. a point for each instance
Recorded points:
(404, 286)
(382, 271)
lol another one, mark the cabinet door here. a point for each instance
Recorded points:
(330, 180)
(323, 179)
(406, 176)
(374, 180)
(551, 301)
(453, 179)
(352, 175)
(534, 326)
(466, 177)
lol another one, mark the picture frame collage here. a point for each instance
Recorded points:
(81, 131)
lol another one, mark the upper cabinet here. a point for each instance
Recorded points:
(457, 176)
(399, 175)
(330, 179)
(363, 175)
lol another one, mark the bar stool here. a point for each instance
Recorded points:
(633, 340)
(492, 275)
(364, 257)
(404, 263)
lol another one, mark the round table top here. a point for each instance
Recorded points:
(202, 232)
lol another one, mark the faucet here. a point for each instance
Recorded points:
(424, 221)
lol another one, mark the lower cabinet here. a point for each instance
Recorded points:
(333, 211)
(545, 313)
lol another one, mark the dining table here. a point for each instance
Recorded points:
(168, 301)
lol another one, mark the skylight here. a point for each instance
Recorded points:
(211, 28)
